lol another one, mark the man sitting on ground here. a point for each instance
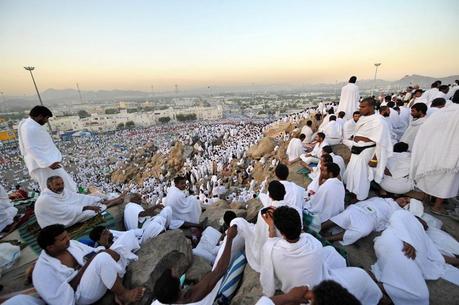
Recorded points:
(294, 194)
(69, 272)
(396, 178)
(58, 205)
(295, 148)
(314, 155)
(333, 131)
(298, 259)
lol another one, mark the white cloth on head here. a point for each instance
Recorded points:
(349, 99)
(329, 199)
(184, 209)
(51, 278)
(39, 152)
(65, 208)
(7, 210)
(434, 158)
(295, 149)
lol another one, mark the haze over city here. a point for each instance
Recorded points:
(134, 45)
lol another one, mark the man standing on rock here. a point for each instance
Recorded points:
(41, 156)
(349, 99)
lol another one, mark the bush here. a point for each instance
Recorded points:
(120, 126)
(130, 124)
(164, 119)
(186, 117)
(83, 114)
(111, 111)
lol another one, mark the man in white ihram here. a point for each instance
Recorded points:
(349, 99)
(41, 155)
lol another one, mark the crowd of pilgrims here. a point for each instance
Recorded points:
(400, 145)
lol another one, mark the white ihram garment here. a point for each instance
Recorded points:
(349, 100)
(328, 201)
(435, 157)
(348, 132)
(358, 174)
(7, 210)
(65, 208)
(399, 166)
(39, 152)
(184, 209)
(294, 195)
(333, 133)
(410, 133)
(51, 278)
(404, 278)
(295, 149)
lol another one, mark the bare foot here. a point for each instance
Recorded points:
(130, 296)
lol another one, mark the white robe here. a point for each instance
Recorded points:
(404, 278)
(349, 99)
(294, 196)
(348, 132)
(435, 157)
(295, 149)
(329, 199)
(287, 265)
(399, 167)
(333, 132)
(7, 210)
(338, 160)
(39, 152)
(22, 299)
(184, 209)
(360, 219)
(410, 133)
(65, 208)
(51, 278)
(358, 174)
(307, 131)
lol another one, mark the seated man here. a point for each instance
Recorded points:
(19, 194)
(184, 209)
(56, 205)
(396, 178)
(333, 131)
(314, 155)
(298, 259)
(294, 194)
(7, 210)
(295, 148)
(255, 235)
(362, 218)
(307, 131)
(336, 159)
(69, 272)
(328, 201)
(168, 291)
(406, 257)
(349, 128)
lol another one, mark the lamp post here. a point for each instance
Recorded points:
(374, 82)
(30, 69)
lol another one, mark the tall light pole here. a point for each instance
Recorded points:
(30, 69)
(374, 82)
(3, 102)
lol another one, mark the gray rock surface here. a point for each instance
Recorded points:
(214, 215)
(198, 269)
(169, 250)
(250, 290)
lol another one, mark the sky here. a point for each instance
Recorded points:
(110, 44)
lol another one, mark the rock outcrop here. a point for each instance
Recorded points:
(263, 147)
(168, 250)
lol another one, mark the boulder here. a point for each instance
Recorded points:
(263, 147)
(168, 250)
(214, 216)
(198, 269)
(253, 206)
(343, 151)
(250, 290)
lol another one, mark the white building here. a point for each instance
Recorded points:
(102, 122)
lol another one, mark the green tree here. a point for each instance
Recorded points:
(186, 117)
(111, 111)
(120, 126)
(130, 124)
(164, 119)
(83, 114)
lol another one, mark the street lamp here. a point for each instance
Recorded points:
(30, 69)
(374, 82)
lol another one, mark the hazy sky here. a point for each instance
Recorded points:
(199, 43)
